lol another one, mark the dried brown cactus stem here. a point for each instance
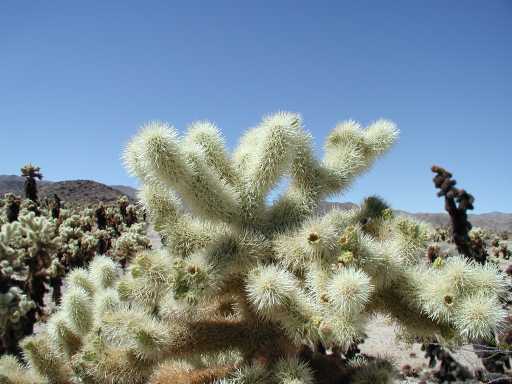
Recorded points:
(457, 203)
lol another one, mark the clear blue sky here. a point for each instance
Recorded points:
(77, 79)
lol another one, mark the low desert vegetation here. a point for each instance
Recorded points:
(41, 243)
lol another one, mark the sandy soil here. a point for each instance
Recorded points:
(382, 341)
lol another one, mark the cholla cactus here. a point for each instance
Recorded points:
(55, 206)
(132, 215)
(15, 307)
(12, 207)
(501, 251)
(123, 203)
(441, 234)
(101, 218)
(457, 202)
(25, 248)
(31, 173)
(132, 241)
(129, 212)
(36, 252)
(247, 292)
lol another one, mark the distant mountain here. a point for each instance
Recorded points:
(83, 191)
(14, 184)
(496, 221)
(128, 191)
(89, 191)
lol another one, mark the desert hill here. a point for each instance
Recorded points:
(83, 191)
(73, 191)
(128, 191)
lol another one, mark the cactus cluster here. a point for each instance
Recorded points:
(37, 249)
(31, 173)
(252, 291)
(500, 249)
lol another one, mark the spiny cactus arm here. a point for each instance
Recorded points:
(348, 290)
(459, 298)
(332, 251)
(136, 330)
(157, 153)
(41, 357)
(30, 170)
(292, 370)
(373, 215)
(290, 210)
(340, 237)
(79, 278)
(333, 317)
(337, 239)
(10, 254)
(176, 284)
(242, 156)
(188, 234)
(183, 233)
(203, 275)
(304, 192)
(11, 208)
(107, 300)
(147, 280)
(408, 240)
(209, 194)
(13, 372)
(349, 151)
(272, 156)
(163, 206)
(103, 272)
(77, 306)
(63, 338)
(276, 296)
(232, 253)
(406, 314)
(101, 363)
(206, 135)
(316, 239)
(441, 292)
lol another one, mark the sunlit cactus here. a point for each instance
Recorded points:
(25, 249)
(37, 251)
(129, 243)
(248, 291)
